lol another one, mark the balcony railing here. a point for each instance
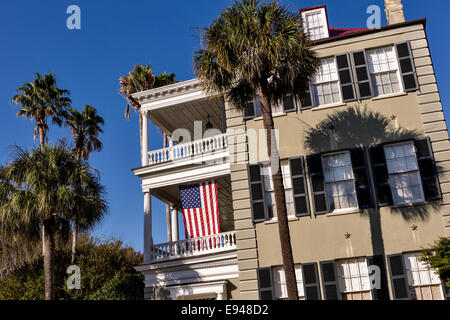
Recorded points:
(189, 150)
(194, 247)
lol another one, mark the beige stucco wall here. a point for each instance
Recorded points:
(319, 238)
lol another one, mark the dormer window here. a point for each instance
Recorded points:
(316, 23)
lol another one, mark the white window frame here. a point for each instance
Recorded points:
(270, 191)
(314, 83)
(362, 277)
(279, 282)
(373, 74)
(417, 172)
(277, 108)
(333, 182)
(418, 268)
(323, 14)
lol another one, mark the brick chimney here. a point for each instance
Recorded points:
(394, 11)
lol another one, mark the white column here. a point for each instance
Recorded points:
(219, 295)
(144, 151)
(172, 152)
(148, 241)
(175, 234)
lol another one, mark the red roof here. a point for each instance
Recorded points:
(334, 32)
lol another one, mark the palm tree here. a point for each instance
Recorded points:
(259, 49)
(85, 127)
(140, 78)
(37, 191)
(41, 99)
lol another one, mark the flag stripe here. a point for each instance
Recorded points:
(200, 209)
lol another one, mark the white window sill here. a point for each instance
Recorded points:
(392, 95)
(344, 212)
(275, 220)
(328, 106)
(409, 205)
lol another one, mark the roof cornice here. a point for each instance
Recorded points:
(169, 90)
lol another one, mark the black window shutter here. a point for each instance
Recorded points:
(311, 281)
(250, 110)
(428, 170)
(362, 182)
(399, 282)
(407, 68)
(315, 169)
(330, 280)
(345, 77)
(306, 101)
(265, 283)
(299, 189)
(289, 104)
(257, 193)
(364, 85)
(383, 292)
(381, 176)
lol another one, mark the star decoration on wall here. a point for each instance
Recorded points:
(348, 235)
(414, 227)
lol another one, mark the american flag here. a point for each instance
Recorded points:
(200, 209)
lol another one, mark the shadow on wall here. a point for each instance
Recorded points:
(357, 127)
(360, 127)
(354, 127)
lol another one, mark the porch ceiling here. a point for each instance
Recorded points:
(171, 194)
(183, 115)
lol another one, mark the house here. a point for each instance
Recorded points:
(365, 158)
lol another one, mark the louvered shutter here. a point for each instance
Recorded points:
(362, 182)
(345, 77)
(330, 280)
(250, 110)
(407, 68)
(307, 102)
(399, 282)
(299, 189)
(315, 169)
(428, 170)
(257, 193)
(265, 284)
(364, 85)
(381, 176)
(289, 104)
(311, 281)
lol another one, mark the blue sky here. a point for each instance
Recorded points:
(113, 37)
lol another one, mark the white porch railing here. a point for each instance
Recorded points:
(189, 149)
(194, 247)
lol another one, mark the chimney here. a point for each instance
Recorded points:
(394, 11)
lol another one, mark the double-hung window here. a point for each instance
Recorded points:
(316, 25)
(270, 191)
(354, 279)
(279, 279)
(339, 181)
(384, 71)
(425, 283)
(404, 175)
(325, 83)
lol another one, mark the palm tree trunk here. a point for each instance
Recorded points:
(280, 199)
(49, 258)
(42, 137)
(75, 226)
(74, 242)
